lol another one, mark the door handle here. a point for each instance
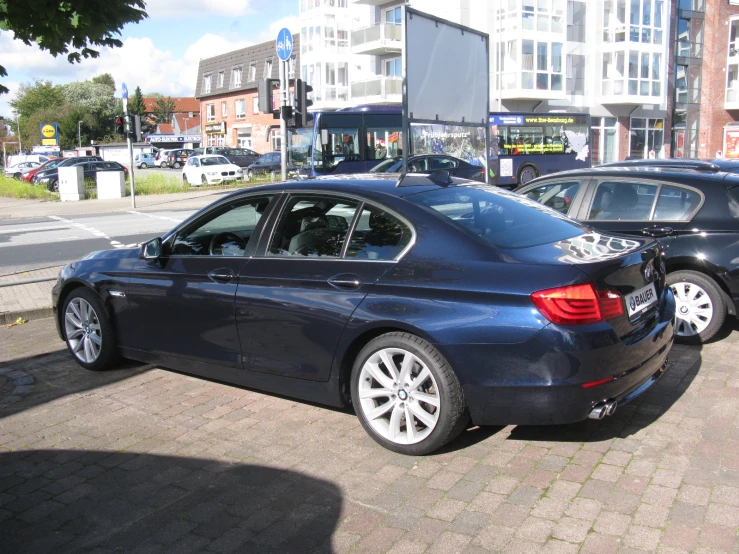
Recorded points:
(221, 275)
(658, 231)
(346, 281)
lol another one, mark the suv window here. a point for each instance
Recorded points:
(555, 195)
(314, 226)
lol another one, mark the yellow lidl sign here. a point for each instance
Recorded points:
(49, 130)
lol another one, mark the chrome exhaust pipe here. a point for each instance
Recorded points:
(611, 407)
(598, 411)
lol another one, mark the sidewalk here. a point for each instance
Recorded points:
(26, 292)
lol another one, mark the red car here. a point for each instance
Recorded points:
(50, 164)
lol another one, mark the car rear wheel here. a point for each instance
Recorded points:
(406, 395)
(88, 331)
(54, 185)
(177, 165)
(700, 306)
(249, 175)
(204, 179)
(143, 166)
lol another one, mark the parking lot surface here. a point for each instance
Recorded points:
(147, 459)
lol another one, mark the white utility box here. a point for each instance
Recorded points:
(111, 184)
(71, 183)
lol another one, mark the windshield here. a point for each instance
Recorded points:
(498, 218)
(216, 160)
(391, 164)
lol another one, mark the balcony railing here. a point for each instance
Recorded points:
(380, 36)
(379, 89)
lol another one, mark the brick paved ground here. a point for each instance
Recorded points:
(144, 459)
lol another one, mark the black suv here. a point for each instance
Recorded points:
(693, 211)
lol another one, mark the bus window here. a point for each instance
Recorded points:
(383, 143)
(342, 145)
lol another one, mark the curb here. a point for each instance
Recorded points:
(37, 313)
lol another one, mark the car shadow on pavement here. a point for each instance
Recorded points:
(685, 362)
(35, 380)
(73, 501)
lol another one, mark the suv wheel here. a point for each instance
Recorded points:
(700, 306)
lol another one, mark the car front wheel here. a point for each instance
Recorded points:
(143, 166)
(88, 331)
(406, 395)
(700, 306)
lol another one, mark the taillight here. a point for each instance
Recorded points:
(578, 304)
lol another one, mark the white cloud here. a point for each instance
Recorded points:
(162, 9)
(292, 22)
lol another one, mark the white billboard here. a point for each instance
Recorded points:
(447, 70)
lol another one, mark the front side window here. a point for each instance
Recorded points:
(313, 226)
(557, 196)
(378, 236)
(225, 232)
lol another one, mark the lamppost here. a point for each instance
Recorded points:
(79, 134)
(18, 126)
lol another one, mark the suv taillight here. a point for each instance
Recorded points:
(578, 304)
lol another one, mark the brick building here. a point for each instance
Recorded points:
(227, 93)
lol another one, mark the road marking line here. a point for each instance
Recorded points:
(92, 230)
(163, 217)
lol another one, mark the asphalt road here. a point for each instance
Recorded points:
(48, 241)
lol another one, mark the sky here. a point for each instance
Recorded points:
(160, 54)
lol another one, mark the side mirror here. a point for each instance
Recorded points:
(151, 250)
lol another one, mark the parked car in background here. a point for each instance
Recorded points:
(419, 305)
(50, 164)
(177, 158)
(268, 164)
(144, 160)
(19, 169)
(210, 169)
(693, 212)
(50, 177)
(427, 163)
(243, 157)
(160, 158)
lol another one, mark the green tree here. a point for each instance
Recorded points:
(105, 79)
(72, 28)
(163, 110)
(33, 98)
(136, 106)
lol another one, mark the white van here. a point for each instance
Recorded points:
(19, 158)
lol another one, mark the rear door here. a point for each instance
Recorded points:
(640, 207)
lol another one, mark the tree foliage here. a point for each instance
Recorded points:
(75, 28)
(163, 110)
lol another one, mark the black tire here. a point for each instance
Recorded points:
(453, 416)
(54, 185)
(204, 179)
(184, 178)
(685, 331)
(249, 175)
(108, 355)
(177, 165)
(143, 166)
(526, 174)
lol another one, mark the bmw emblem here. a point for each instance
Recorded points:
(648, 273)
(402, 395)
(632, 302)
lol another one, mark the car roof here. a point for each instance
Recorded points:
(201, 156)
(662, 173)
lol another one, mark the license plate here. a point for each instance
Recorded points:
(641, 299)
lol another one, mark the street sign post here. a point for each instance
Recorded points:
(127, 119)
(284, 47)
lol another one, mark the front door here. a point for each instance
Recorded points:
(295, 299)
(182, 304)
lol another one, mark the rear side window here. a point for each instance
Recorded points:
(498, 218)
(622, 201)
(378, 236)
(676, 204)
(558, 195)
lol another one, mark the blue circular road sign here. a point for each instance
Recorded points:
(284, 44)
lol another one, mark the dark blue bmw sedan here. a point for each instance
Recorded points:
(424, 303)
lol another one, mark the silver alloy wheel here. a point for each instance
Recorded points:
(398, 396)
(82, 328)
(694, 309)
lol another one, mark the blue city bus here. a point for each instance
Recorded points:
(523, 146)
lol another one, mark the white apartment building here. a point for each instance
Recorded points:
(618, 60)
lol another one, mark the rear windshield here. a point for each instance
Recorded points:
(498, 218)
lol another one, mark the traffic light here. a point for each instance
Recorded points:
(119, 125)
(264, 91)
(137, 128)
(302, 116)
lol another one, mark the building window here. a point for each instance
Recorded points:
(244, 138)
(236, 77)
(647, 138)
(689, 37)
(605, 139)
(224, 109)
(221, 76)
(275, 140)
(240, 108)
(207, 81)
(255, 105)
(393, 15)
(268, 69)
(210, 110)
(253, 71)
(393, 68)
(542, 65)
